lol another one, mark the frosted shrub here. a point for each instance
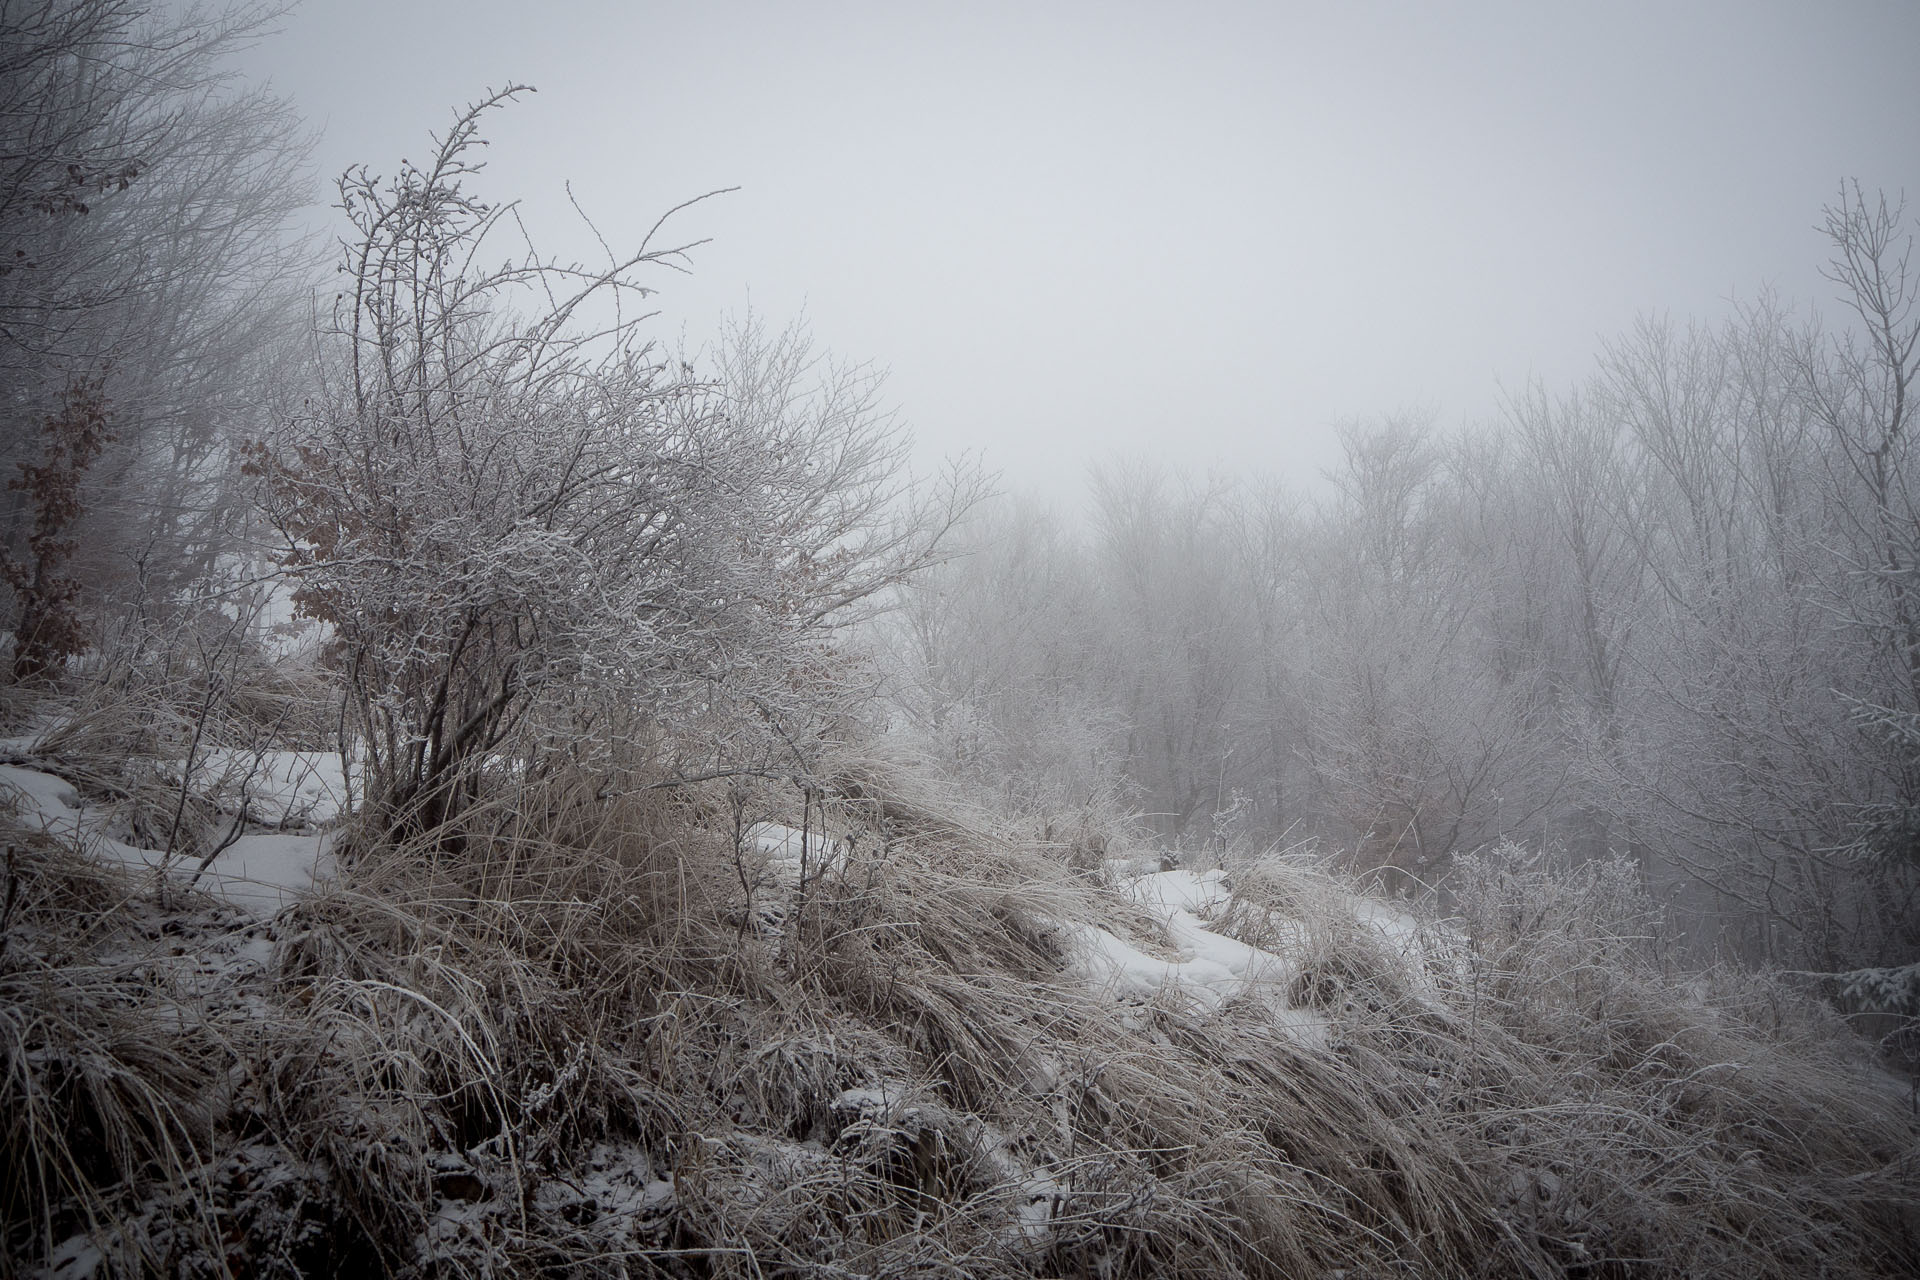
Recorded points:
(1512, 897)
(531, 533)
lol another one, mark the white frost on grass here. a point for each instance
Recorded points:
(618, 1191)
(860, 1101)
(1038, 1199)
(622, 1182)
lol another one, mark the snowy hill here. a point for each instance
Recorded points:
(907, 1047)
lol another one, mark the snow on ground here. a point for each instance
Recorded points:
(1190, 892)
(263, 872)
(1210, 967)
(281, 788)
(267, 872)
(1400, 930)
(260, 873)
(783, 846)
(873, 1115)
(1128, 972)
(49, 804)
(1185, 902)
(40, 798)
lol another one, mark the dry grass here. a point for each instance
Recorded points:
(598, 1039)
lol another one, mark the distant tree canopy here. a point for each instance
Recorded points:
(1670, 612)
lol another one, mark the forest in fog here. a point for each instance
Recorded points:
(1668, 612)
(486, 790)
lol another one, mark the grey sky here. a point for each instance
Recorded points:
(1195, 231)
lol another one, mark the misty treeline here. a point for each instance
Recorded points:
(146, 270)
(1672, 612)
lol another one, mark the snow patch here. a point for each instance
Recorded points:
(266, 873)
(1168, 892)
(33, 794)
(1124, 970)
(785, 846)
(50, 805)
(1210, 966)
(260, 873)
(1391, 923)
(278, 788)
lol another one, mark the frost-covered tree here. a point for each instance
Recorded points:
(531, 532)
(1729, 515)
(1862, 390)
(991, 658)
(1177, 652)
(1425, 667)
(145, 198)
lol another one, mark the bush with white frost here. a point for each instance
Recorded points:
(531, 532)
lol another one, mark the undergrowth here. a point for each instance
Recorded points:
(600, 1036)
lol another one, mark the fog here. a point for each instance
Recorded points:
(1398, 753)
(1100, 228)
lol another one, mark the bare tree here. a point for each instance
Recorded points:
(1178, 649)
(997, 658)
(1861, 390)
(1264, 527)
(1423, 692)
(145, 201)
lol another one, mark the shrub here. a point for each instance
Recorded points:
(532, 532)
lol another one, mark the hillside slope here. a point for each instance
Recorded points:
(655, 1035)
